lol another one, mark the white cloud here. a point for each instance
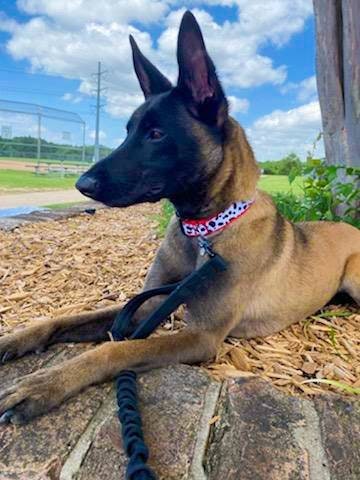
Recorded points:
(7, 24)
(19, 123)
(102, 135)
(281, 132)
(73, 13)
(234, 52)
(68, 38)
(123, 104)
(306, 90)
(52, 130)
(238, 105)
(276, 20)
(70, 97)
(260, 20)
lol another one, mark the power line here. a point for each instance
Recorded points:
(24, 72)
(44, 93)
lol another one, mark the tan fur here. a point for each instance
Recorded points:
(278, 274)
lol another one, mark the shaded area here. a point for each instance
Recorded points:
(196, 429)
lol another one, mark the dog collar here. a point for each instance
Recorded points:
(206, 226)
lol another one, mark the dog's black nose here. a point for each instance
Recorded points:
(87, 185)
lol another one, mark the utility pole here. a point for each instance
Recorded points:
(98, 107)
(38, 155)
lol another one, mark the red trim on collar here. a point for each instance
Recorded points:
(206, 226)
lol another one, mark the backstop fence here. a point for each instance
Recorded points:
(43, 133)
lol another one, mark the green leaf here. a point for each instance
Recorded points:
(335, 383)
(294, 172)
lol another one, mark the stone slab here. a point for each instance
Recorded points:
(256, 432)
(38, 450)
(172, 402)
(10, 223)
(340, 431)
(263, 434)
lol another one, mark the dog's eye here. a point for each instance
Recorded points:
(155, 134)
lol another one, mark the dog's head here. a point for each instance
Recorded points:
(174, 139)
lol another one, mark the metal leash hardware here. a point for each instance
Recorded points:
(205, 247)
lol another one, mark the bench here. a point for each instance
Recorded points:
(44, 168)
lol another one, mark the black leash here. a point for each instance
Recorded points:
(126, 390)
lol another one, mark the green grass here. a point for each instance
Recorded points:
(58, 206)
(163, 218)
(280, 184)
(17, 179)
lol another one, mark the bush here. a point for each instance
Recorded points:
(325, 189)
(281, 167)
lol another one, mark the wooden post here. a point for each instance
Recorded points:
(338, 78)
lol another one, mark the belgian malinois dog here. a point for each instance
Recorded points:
(183, 145)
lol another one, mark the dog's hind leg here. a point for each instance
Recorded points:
(351, 279)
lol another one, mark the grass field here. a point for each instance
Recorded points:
(280, 184)
(58, 206)
(16, 179)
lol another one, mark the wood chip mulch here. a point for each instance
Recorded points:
(85, 262)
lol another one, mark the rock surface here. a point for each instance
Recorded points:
(10, 223)
(196, 429)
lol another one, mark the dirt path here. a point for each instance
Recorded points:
(16, 165)
(27, 165)
(37, 199)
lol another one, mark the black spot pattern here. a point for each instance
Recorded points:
(196, 228)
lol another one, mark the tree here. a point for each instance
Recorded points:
(338, 78)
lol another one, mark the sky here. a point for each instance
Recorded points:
(264, 51)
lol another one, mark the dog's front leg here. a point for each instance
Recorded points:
(86, 326)
(94, 326)
(39, 392)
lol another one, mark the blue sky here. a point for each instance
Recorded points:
(264, 52)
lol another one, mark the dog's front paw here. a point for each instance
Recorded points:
(31, 396)
(29, 339)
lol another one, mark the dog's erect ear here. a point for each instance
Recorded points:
(151, 80)
(197, 75)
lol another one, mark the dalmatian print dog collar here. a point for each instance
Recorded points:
(207, 226)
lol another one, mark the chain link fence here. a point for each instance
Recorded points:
(43, 134)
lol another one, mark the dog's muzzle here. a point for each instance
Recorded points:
(87, 185)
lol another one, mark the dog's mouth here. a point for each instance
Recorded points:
(120, 194)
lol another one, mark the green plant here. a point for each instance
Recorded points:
(330, 192)
(325, 189)
(334, 383)
(280, 167)
(163, 219)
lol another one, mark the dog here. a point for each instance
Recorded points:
(183, 145)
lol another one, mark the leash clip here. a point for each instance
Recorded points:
(205, 247)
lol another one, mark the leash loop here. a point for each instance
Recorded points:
(126, 388)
